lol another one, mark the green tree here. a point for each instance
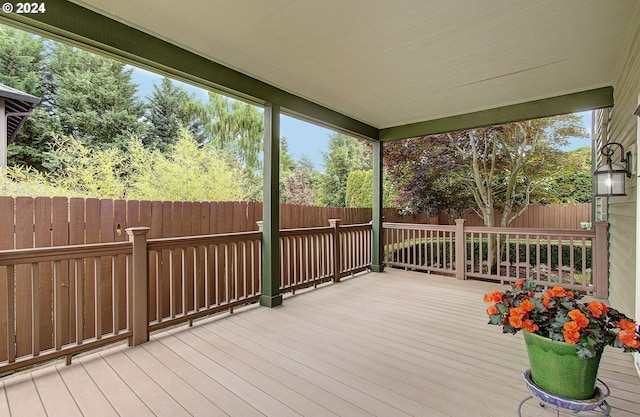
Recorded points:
(572, 183)
(503, 168)
(187, 172)
(312, 175)
(345, 155)
(169, 109)
(95, 98)
(235, 128)
(360, 190)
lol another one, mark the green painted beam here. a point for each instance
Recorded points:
(271, 296)
(569, 103)
(71, 23)
(376, 210)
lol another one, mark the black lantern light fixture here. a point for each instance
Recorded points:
(610, 176)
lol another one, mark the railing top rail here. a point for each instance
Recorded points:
(202, 240)
(418, 226)
(306, 231)
(531, 231)
(347, 227)
(56, 253)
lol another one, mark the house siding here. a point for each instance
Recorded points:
(622, 211)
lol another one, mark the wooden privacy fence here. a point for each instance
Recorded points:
(550, 216)
(59, 301)
(27, 222)
(574, 259)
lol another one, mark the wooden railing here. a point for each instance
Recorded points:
(59, 301)
(309, 257)
(62, 300)
(420, 247)
(195, 276)
(574, 259)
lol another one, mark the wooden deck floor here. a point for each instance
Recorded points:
(391, 344)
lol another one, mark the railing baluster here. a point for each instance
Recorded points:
(158, 284)
(115, 285)
(571, 261)
(79, 301)
(97, 276)
(35, 309)
(10, 311)
(57, 305)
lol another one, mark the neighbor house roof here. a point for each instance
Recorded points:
(18, 105)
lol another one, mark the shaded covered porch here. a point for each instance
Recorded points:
(397, 343)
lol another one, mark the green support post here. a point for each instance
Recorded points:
(271, 296)
(376, 212)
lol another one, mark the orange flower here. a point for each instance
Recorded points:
(579, 318)
(530, 326)
(546, 301)
(571, 332)
(629, 339)
(597, 308)
(518, 312)
(515, 317)
(494, 297)
(492, 310)
(519, 283)
(515, 321)
(527, 305)
(627, 325)
(558, 292)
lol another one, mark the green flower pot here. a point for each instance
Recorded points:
(557, 369)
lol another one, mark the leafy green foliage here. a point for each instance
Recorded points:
(359, 192)
(572, 182)
(187, 172)
(235, 128)
(345, 155)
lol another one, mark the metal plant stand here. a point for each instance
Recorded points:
(594, 407)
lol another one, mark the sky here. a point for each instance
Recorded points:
(304, 138)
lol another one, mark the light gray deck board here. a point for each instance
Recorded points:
(149, 391)
(392, 344)
(23, 397)
(54, 394)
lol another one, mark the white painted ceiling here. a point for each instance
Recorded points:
(393, 62)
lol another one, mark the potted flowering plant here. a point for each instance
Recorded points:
(557, 319)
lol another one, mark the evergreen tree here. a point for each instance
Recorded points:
(345, 155)
(170, 108)
(95, 98)
(359, 192)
